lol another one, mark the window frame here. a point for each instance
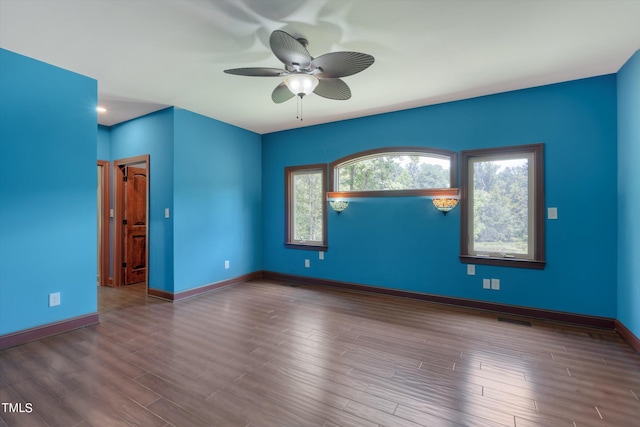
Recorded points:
(289, 173)
(453, 173)
(537, 259)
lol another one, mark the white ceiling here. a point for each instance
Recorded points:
(149, 54)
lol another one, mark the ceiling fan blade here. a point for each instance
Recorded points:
(281, 93)
(342, 64)
(333, 89)
(257, 72)
(289, 50)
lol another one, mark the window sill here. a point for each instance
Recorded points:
(503, 262)
(306, 246)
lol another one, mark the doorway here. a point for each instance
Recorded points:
(131, 197)
(103, 222)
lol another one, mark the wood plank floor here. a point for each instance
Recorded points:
(269, 354)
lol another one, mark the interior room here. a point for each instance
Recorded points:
(155, 263)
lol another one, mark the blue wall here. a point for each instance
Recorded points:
(629, 194)
(217, 201)
(405, 243)
(104, 144)
(208, 174)
(48, 184)
(153, 134)
(225, 186)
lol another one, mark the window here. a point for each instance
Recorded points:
(502, 202)
(395, 171)
(305, 207)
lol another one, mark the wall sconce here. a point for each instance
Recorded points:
(445, 204)
(338, 205)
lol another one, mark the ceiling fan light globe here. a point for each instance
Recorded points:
(301, 84)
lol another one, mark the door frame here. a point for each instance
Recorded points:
(103, 249)
(118, 256)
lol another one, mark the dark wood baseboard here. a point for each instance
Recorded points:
(556, 316)
(158, 293)
(207, 288)
(39, 332)
(628, 336)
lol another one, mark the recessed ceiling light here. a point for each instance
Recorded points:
(101, 109)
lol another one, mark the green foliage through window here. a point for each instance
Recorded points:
(394, 171)
(308, 200)
(305, 207)
(502, 206)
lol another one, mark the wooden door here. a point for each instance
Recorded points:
(135, 225)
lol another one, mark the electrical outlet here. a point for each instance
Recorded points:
(226, 265)
(495, 284)
(307, 263)
(471, 269)
(54, 299)
(320, 255)
(486, 284)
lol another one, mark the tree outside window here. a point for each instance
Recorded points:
(395, 171)
(305, 207)
(502, 221)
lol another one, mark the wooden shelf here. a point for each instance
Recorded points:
(432, 192)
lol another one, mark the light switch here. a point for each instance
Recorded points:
(471, 269)
(552, 213)
(54, 299)
(166, 212)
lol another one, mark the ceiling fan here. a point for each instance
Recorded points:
(304, 74)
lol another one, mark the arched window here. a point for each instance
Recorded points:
(395, 171)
